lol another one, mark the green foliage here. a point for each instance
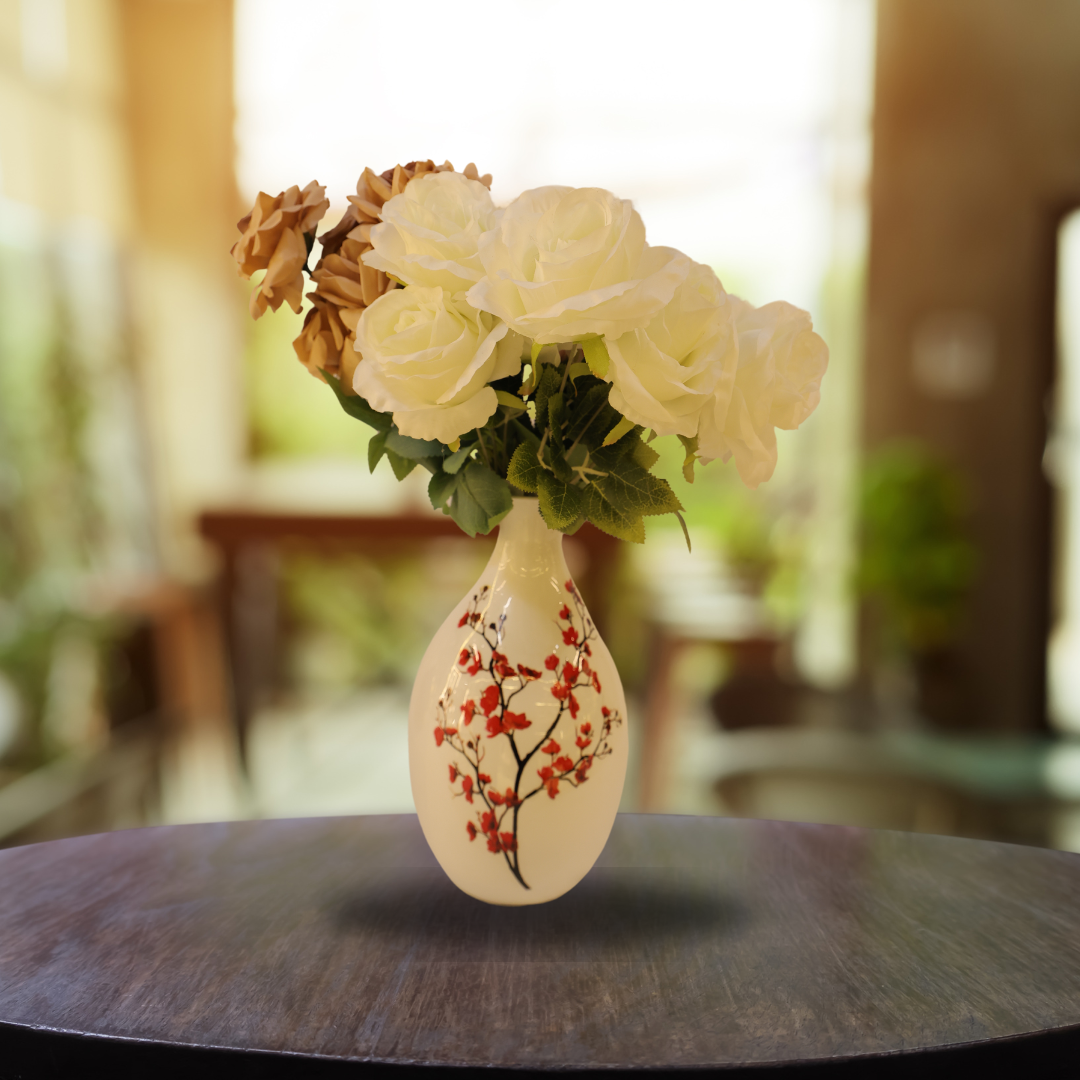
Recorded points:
(596, 356)
(561, 504)
(690, 445)
(554, 435)
(916, 558)
(524, 471)
(480, 499)
(618, 431)
(357, 407)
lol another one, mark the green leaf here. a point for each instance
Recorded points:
(524, 469)
(596, 356)
(401, 466)
(480, 500)
(534, 352)
(561, 504)
(577, 371)
(644, 454)
(632, 488)
(690, 445)
(556, 419)
(641, 491)
(511, 401)
(440, 488)
(523, 433)
(618, 431)
(357, 407)
(458, 458)
(376, 447)
(413, 449)
(611, 519)
(590, 414)
(546, 385)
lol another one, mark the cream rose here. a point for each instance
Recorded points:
(664, 374)
(563, 264)
(777, 385)
(429, 232)
(428, 357)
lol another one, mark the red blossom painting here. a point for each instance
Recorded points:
(544, 766)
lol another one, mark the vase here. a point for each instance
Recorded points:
(517, 727)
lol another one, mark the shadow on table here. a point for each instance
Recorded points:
(616, 913)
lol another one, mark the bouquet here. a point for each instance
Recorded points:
(536, 349)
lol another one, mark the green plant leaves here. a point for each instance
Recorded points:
(546, 385)
(567, 445)
(357, 407)
(510, 401)
(480, 499)
(690, 445)
(403, 453)
(440, 488)
(618, 431)
(378, 449)
(605, 515)
(561, 504)
(524, 469)
(596, 356)
(458, 458)
(413, 449)
(475, 497)
(644, 454)
(628, 492)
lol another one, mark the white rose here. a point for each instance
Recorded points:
(777, 385)
(428, 357)
(566, 263)
(664, 374)
(429, 232)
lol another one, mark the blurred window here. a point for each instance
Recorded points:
(1063, 466)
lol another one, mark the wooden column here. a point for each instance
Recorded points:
(976, 157)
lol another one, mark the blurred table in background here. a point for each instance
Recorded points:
(249, 544)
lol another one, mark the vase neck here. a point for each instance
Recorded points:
(527, 547)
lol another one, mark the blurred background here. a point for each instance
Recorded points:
(209, 609)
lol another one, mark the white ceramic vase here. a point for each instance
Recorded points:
(517, 727)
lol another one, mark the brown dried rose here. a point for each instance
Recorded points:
(344, 280)
(325, 343)
(274, 239)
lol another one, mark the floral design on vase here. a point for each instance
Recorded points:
(497, 815)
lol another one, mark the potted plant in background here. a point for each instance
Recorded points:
(917, 564)
(525, 357)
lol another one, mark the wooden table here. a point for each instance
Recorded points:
(337, 947)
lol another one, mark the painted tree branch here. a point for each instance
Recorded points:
(569, 678)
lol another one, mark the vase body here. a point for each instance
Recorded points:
(517, 727)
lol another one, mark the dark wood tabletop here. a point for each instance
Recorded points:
(337, 946)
